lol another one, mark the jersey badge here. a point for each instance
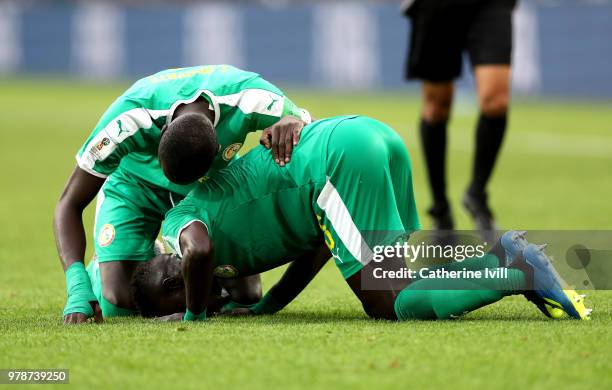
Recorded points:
(225, 271)
(106, 235)
(231, 151)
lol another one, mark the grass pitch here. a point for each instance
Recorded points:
(554, 173)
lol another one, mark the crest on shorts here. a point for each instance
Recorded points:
(106, 235)
(225, 271)
(231, 151)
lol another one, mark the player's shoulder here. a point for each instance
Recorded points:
(218, 79)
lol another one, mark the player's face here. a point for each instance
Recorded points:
(166, 287)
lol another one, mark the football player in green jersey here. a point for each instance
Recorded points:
(347, 189)
(119, 163)
(220, 297)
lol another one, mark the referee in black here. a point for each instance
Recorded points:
(442, 30)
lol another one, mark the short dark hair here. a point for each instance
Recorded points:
(141, 298)
(187, 148)
(149, 285)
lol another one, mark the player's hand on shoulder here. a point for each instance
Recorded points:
(281, 137)
(171, 317)
(80, 318)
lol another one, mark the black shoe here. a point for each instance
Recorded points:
(442, 225)
(483, 218)
(441, 218)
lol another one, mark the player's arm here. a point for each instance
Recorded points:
(123, 128)
(80, 190)
(281, 137)
(295, 279)
(197, 253)
(281, 120)
(185, 231)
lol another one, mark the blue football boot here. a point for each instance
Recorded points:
(549, 286)
(514, 243)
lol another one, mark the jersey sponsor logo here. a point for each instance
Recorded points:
(225, 271)
(107, 235)
(231, 151)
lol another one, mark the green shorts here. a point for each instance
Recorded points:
(368, 198)
(129, 213)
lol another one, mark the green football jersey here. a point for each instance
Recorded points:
(128, 133)
(257, 212)
(348, 176)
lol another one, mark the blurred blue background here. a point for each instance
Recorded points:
(561, 48)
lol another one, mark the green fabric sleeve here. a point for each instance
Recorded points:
(231, 305)
(267, 305)
(110, 310)
(124, 128)
(180, 217)
(80, 293)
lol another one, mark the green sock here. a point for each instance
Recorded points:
(231, 305)
(510, 281)
(471, 264)
(428, 299)
(110, 310)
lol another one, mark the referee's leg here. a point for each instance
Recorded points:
(437, 101)
(493, 89)
(489, 44)
(437, 35)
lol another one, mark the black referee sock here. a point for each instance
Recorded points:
(489, 136)
(433, 139)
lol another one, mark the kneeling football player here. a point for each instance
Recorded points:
(348, 176)
(119, 164)
(226, 294)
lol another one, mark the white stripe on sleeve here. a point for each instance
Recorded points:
(254, 100)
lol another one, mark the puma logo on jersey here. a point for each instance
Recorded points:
(269, 108)
(120, 125)
(336, 256)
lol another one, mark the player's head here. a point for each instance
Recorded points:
(158, 287)
(187, 148)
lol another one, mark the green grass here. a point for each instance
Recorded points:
(554, 173)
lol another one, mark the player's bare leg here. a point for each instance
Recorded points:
(437, 103)
(432, 298)
(116, 278)
(493, 86)
(377, 303)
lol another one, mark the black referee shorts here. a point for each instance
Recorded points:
(443, 29)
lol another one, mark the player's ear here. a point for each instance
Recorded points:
(172, 284)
